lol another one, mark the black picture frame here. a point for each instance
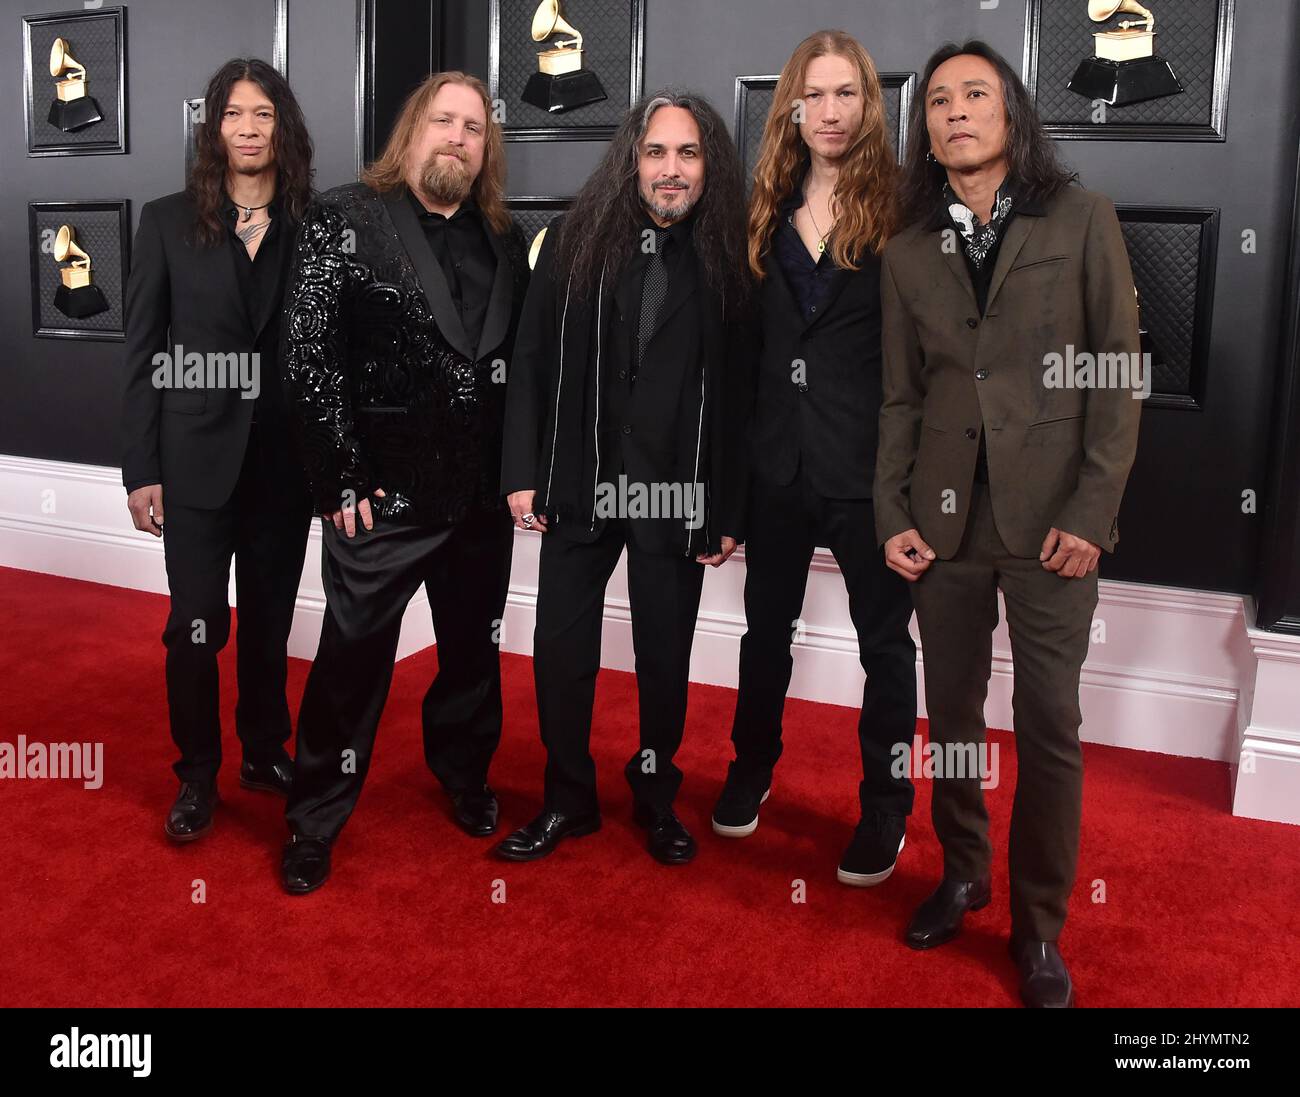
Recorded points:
(902, 82)
(564, 131)
(1212, 128)
(34, 89)
(191, 112)
(1193, 323)
(533, 212)
(39, 216)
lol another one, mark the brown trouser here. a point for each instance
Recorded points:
(1049, 620)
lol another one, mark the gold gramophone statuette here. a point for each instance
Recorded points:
(78, 296)
(1125, 68)
(561, 82)
(72, 108)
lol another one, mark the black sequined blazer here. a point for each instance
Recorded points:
(387, 391)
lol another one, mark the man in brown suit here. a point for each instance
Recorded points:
(1008, 428)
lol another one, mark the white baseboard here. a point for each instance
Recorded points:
(1177, 673)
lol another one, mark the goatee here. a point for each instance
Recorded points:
(446, 181)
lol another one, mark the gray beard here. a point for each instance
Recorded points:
(669, 213)
(447, 184)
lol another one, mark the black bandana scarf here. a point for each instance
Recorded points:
(979, 239)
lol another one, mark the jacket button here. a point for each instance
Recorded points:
(981, 375)
(803, 386)
(971, 322)
(627, 428)
(972, 433)
(622, 375)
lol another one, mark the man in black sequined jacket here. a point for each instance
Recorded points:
(400, 322)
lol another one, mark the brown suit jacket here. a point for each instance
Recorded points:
(1057, 456)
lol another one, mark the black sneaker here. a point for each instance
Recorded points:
(874, 851)
(736, 812)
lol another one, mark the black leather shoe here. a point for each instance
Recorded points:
(1044, 979)
(476, 811)
(543, 834)
(938, 919)
(669, 843)
(191, 814)
(268, 776)
(305, 864)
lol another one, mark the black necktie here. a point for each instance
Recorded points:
(654, 289)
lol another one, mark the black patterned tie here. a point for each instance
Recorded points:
(654, 289)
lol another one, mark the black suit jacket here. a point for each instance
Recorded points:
(192, 440)
(386, 389)
(551, 414)
(821, 415)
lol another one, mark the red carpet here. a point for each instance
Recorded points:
(1201, 908)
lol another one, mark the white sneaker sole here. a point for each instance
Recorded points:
(745, 829)
(869, 879)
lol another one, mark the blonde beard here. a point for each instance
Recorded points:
(449, 184)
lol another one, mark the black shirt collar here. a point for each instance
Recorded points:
(468, 208)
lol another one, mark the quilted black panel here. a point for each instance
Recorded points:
(1166, 259)
(1186, 36)
(606, 27)
(93, 42)
(99, 234)
(756, 100)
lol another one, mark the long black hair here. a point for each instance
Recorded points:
(290, 140)
(604, 225)
(1031, 155)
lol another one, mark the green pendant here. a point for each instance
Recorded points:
(821, 247)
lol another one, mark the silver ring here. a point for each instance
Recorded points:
(528, 519)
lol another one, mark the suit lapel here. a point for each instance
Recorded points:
(1017, 233)
(433, 283)
(497, 321)
(955, 261)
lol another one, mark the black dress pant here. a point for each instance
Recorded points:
(369, 579)
(786, 525)
(264, 526)
(664, 596)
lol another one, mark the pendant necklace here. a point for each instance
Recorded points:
(821, 243)
(248, 211)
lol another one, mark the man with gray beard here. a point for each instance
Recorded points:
(400, 318)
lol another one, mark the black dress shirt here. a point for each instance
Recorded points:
(810, 280)
(260, 283)
(462, 248)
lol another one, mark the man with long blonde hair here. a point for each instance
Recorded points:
(822, 207)
(401, 317)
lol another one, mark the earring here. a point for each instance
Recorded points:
(929, 157)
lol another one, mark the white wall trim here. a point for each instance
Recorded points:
(1180, 671)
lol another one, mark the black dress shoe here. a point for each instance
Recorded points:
(191, 815)
(1044, 979)
(305, 864)
(268, 776)
(476, 811)
(669, 843)
(543, 834)
(938, 919)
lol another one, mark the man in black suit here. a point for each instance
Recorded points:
(205, 426)
(823, 206)
(622, 430)
(401, 317)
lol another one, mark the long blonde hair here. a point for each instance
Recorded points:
(865, 197)
(389, 171)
